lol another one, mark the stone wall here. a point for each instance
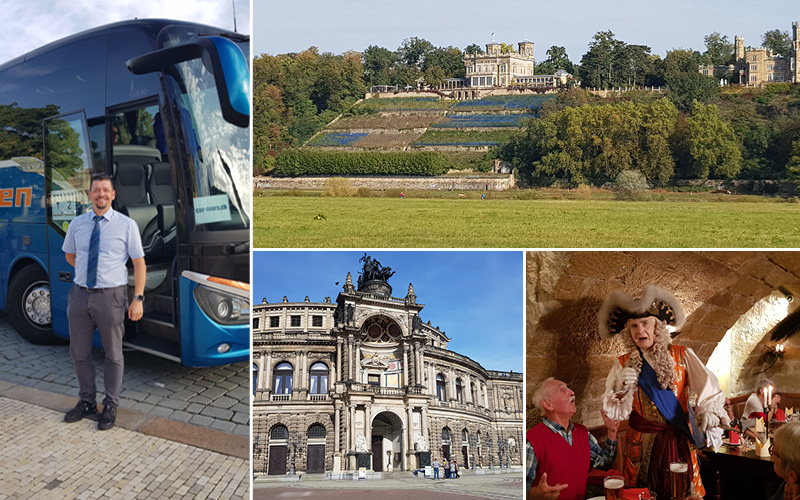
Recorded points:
(759, 187)
(472, 183)
(566, 289)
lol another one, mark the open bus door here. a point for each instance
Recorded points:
(145, 192)
(69, 173)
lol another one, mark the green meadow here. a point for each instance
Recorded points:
(678, 221)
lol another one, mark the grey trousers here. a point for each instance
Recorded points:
(103, 310)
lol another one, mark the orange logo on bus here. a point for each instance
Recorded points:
(8, 199)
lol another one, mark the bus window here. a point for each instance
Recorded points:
(135, 127)
(142, 179)
(67, 159)
(122, 86)
(72, 77)
(97, 136)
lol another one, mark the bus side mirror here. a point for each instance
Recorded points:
(225, 61)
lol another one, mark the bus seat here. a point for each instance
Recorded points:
(146, 217)
(166, 224)
(159, 187)
(160, 184)
(129, 183)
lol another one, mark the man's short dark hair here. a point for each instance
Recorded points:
(102, 177)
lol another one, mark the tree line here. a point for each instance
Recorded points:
(593, 144)
(297, 94)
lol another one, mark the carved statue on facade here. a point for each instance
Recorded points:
(373, 270)
(421, 443)
(361, 443)
(375, 361)
(416, 324)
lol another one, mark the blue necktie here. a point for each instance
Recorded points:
(94, 252)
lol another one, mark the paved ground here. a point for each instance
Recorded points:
(181, 433)
(217, 398)
(490, 486)
(45, 458)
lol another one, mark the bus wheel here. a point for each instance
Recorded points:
(29, 306)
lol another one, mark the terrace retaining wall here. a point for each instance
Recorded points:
(471, 183)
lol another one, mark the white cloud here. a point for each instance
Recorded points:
(29, 25)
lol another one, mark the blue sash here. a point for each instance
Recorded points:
(669, 406)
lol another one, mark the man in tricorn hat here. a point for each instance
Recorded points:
(650, 385)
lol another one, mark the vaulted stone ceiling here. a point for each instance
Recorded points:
(566, 289)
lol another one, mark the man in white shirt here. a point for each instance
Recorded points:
(98, 244)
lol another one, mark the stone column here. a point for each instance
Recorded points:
(268, 372)
(452, 383)
(485, 398)
(358, 361)
(338, 428)
(262, 363)
(468, 389)
(351, 428)
(417, 364)
(350, 357)
(330, 381)
(406, 381)
(367, 426)
(410, 427)
(339, 343)
(424, 424)
(295, 384)
(305, 371)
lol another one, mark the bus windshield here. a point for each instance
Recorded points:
(219, 151)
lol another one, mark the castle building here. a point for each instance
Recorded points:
(499, 69)
(757, 66)
(364, 382)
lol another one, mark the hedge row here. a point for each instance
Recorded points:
(305, 162)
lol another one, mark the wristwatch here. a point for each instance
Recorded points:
(140, 298)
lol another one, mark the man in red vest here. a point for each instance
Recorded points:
(561, 453)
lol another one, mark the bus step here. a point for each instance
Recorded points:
(157, 324)
(154, 345)
(162, 303)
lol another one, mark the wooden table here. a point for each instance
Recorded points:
(740, 474)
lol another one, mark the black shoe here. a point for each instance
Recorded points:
(107, 418)
(82, 409)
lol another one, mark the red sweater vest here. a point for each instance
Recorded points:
(564, 464)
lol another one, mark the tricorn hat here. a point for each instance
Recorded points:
(655, 301)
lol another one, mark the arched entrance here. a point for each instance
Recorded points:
(387, 442)
(315, 449)
(278, 451)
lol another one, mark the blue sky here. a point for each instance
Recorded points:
(281, 27)
(475, 297)
(28, 25)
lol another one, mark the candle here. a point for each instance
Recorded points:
(769, 396)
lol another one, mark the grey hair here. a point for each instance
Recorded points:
(541, 393)
(787, 439)
(762, 384)
(663, 363)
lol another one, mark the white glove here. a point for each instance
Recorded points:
(629, 378)
(708, 420)
(714, 438)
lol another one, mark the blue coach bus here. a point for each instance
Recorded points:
(163, 107)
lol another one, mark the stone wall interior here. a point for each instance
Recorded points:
(732, 300)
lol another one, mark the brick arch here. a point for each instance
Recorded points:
(566, 289)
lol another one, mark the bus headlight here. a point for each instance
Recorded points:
(222, 307)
